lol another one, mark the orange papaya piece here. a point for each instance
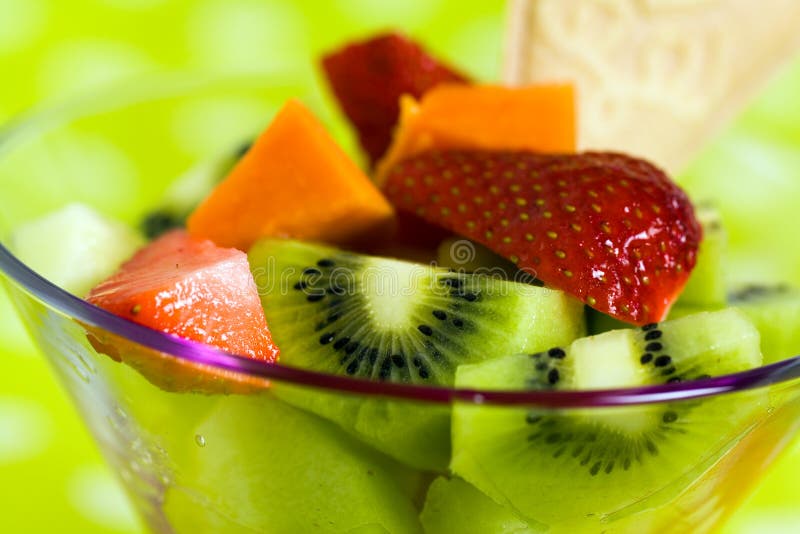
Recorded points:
(295, 182)
(487, 117)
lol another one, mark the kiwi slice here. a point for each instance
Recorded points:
(187, 191)
(389, 320)
(775, 311)
(256, 464)
(386, 319)
(575, 466)
(452, 505)
(706, 285)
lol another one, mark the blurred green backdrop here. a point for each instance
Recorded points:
(53, 479)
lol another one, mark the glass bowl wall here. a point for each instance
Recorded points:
(265, 461)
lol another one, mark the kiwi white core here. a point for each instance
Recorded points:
(389, 287)
(604, 361)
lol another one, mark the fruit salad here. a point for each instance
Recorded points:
(479, 250)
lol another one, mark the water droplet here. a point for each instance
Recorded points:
(200, 440)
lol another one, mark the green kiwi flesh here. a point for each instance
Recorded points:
(706, 285)
(383, 319)
(452, 505)
(775, 311)
(260, 465)
(580, 465)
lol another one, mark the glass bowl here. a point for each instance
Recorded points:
(266, 460)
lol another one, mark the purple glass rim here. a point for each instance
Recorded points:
(80, 310)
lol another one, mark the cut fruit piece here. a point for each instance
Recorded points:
(775, 311)
(192, 289)
(186, 193)
(383, 319)
(294, 182)
(654, 78)
(369, 77)
(706, 285)
(611, 230)
(379, 318)
(576, 466)
(264, 466)
(484, 117)
(75, 247)
(453, 505)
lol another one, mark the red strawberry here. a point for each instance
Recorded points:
(195, 290)
(610, 229)
(369, 77)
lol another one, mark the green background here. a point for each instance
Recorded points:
(51, 476)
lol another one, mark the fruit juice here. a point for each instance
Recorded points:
(585, 369)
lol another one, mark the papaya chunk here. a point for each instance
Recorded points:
(294, 182)
(487, 117)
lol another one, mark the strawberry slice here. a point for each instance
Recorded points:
(612, 230)
(369, 77)
(195, 290)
